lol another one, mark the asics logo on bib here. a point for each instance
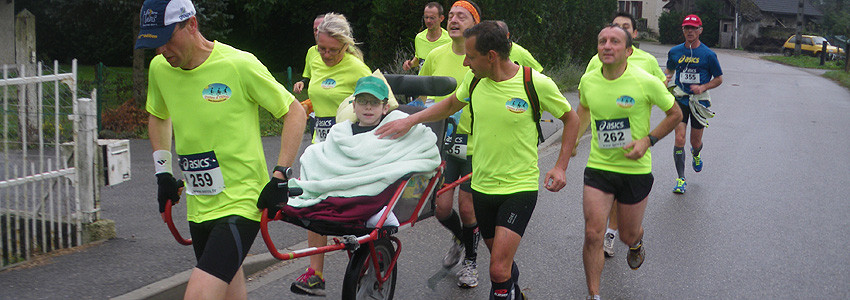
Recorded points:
(688, 59)
(611, 124)
(194, 164)
(324, 123)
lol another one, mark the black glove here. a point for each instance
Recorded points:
(274, 196)
(167, 190)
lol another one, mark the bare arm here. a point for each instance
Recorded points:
(410, 64)
(159, 131)
(436, 112)
(294, 122)
(674, 116)
(556, 177)
(701, 88)
(583, 122)
(669, 73)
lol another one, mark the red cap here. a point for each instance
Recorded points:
(692, 20)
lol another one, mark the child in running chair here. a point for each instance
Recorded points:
(350, 164)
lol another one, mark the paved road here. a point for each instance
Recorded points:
(765, 219)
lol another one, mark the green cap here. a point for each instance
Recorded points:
(372, 85)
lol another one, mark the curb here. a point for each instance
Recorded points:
(175, 286)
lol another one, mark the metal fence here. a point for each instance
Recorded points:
(46, 189)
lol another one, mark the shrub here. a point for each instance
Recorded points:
(670, 27)
(126, 118)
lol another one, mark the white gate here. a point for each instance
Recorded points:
(46, 189)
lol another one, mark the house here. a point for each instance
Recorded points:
(7, 32)
(759, 19)
(645, 12)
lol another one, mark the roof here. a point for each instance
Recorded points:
(786, 7)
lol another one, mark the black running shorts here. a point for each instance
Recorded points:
(512, 211)
(222, 244)
(687, 115)
(457, 168)
(627, 188)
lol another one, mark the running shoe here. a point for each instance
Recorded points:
(309, 284)
(698, 163)
(594, 297)
(467, 277)
(454, 253)
(608, 244)
(636, 256)
(680, 186)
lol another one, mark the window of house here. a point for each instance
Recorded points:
(635, 8)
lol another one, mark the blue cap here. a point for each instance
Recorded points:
(158, 18)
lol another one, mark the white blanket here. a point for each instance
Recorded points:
(348, 165)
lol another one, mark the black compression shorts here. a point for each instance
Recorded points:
(512, 211)
(222, 244)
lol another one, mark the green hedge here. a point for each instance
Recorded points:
(278, 32)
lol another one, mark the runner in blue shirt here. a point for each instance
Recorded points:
(694, 69)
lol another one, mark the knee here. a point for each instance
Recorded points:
(443, 206)
(630, 237)
(499, 271)
(680, 140)
(593, 236)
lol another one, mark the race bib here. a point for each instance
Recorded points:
(689, 77)
(458, 149)
(323, 127)
(613, 133)
(202, 174)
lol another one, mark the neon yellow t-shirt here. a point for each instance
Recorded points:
(524, 58)
(312, 53)
(619, 113)
(214, 112)
(423, 46)
(442, 61)
(330, 85)
(639, 58)
(504, 134)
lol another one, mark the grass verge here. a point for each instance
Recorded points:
(843, 78)
(806, 62)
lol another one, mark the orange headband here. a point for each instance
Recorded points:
(468, 6)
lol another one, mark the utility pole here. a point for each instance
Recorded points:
(737, 30)
(799, 37)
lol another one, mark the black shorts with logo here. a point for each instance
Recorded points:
(627, 188)
(222, 244)
(512, 211)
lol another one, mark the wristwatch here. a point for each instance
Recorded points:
(286, 171)
(652, 140)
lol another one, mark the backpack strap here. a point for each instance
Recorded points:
(528, 84)
(472, 86)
